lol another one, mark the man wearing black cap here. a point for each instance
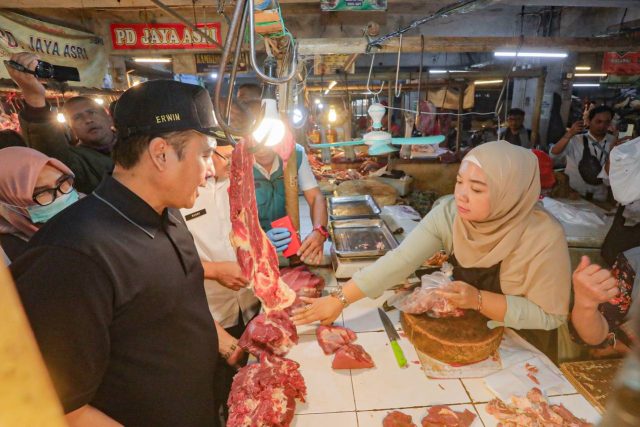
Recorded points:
(113, 286)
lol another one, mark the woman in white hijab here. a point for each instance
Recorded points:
(511, 257)
(606, 300)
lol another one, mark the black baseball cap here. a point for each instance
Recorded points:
(161, 106)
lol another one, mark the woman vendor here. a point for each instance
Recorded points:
(510, 256)
(605, 300)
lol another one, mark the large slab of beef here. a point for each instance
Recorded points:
(444, 416)
(255, 253)
(398, 419)
(352, 356)
(303, 282)
(533, 410)
(264, 394)
(273, 333)
(331, 338)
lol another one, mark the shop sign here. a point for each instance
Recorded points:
(621, 63)
(164, 36)
(340, 5)
(55, 44)
(210, 62)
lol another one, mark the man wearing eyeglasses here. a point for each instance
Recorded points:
(113, 285)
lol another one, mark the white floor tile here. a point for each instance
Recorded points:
(374, 418)
(362, 316)
(477, 389)
(388, 386)
(339, 419)
(327, 390)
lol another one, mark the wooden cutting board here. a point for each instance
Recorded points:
(593, 379)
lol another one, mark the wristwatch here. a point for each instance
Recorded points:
(338, 294)
(322, 230)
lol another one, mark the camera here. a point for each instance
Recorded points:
(45, 70)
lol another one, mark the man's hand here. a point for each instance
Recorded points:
(228, 273)
(593, 285)
(576, 128)
(32, 90)
(280, 237)
(312, 249)
(460, 294)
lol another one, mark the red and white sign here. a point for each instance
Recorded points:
(163, 36)
(621, 63)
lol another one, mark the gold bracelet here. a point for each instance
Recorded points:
(479, 301)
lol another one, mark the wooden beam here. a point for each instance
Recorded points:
(351, 45)
(537, 113)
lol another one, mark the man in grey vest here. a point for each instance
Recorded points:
(515, 132)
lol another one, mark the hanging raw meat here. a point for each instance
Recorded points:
(331, 338)
(273, 333)
(427, 122)
(265, 393)
(255, 253)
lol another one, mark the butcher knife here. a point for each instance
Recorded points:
(393, 338)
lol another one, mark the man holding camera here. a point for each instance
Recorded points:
(90, 124)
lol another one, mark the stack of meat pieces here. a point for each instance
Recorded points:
(263, 394)
(339, 340)
(533, 411)
(303, 282)
(255, 253)
(271, 333)
(425, 300)
(437, 416)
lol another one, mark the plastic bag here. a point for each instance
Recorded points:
(568, 214)
(426, 298)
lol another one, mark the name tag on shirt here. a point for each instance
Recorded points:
(195, 214)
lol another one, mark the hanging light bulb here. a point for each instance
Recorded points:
(332, 115)
(98, 101)
(60, 118)
(271, 129)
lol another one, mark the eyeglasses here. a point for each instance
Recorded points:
(47, 196)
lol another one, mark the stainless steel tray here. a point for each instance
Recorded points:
(353, 207)
(361, 238)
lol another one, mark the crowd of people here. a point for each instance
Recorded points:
(116, 234)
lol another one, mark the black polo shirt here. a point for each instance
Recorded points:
(114, 293)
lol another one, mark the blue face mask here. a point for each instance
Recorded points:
(41, 214)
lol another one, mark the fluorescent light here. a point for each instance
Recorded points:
(214, 75)
(583, 68)
(436, 71)
(326, 92)
(60, 118)
(153, 60)
(530, 54)
(487, 82)
(331, 86)
(297, 116)
(586, 85)
(590, 75)
(270, 131)
(98, 101)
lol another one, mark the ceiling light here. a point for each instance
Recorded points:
(332, 115)
(583, 68)
(213, 75)
(317, 101)
(60, 118)
(270, 131)
(320, 106)
(98, 101)
(487, 82)
(437, 71)
(586, 85)
(153, 60)
(590, 75)
(530, 54)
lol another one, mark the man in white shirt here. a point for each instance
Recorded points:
(599, 142)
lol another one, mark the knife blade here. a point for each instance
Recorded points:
(393, 338)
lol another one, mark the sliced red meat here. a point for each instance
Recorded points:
(500, 410)
(331, 338)
(441, 416)
(303, 282)
(398, 419)
(265, 393)
(352, 356)
(255, 253)
(273, 333)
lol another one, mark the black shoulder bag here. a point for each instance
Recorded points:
(589, 166)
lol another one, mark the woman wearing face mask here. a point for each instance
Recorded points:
(510, 256)
(33, 189)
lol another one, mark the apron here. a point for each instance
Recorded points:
(488, 279)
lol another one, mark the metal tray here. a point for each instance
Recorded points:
(353, 207)
(361, 238)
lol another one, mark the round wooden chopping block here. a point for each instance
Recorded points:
(382, 193)
(453, 340)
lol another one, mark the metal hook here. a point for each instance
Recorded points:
(373, 57)
(398, 89)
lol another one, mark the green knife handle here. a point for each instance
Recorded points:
(397, 351)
